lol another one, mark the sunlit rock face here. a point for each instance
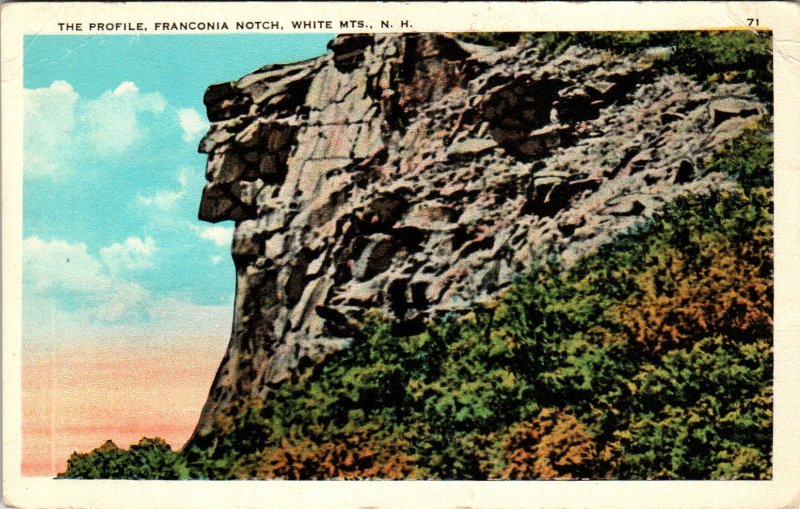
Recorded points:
(419, 175)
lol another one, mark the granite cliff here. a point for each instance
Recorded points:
(420, 174)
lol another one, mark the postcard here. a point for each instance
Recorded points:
(441, 255)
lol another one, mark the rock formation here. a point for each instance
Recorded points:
(420, 174)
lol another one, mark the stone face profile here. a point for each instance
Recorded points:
(420, 174)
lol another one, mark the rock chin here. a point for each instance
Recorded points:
(419, 174)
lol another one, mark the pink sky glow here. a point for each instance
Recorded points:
(74, 398)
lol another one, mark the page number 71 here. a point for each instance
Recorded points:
(752, 22)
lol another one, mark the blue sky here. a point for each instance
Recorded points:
(112, 180)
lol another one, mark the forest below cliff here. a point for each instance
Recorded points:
(648, 358)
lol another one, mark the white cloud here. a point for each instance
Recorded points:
(162, 199)
(112, 120)
(62, 128)
(59, 265)
(169, 320)
(183, 318)
(65, 279)
(216, 259)
(192, 123)
(219, 235)
(165, 199)
(71, 296)
(126, 87)
(49, 127)
(126, 299)
(134, 253)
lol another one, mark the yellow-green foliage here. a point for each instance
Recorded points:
(150, 458)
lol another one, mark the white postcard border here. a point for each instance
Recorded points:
(783, 491)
